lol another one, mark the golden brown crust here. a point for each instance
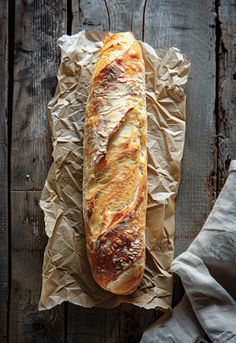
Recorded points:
(115, 166)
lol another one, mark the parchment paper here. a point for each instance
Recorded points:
(66, 271)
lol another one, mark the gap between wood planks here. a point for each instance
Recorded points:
(69, 17)
(222, 164)
(217, 99)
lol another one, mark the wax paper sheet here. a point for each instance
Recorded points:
(66, 270)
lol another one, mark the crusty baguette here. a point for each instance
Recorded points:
(115, 166)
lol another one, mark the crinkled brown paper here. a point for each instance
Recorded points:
(66, 271)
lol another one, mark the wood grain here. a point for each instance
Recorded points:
(133, 322)
(126, 15)
(189, 26)
(113, 325)
(38, 25)
(226, 105)
(90, 15)
(27, 324)
(91, 325)
(3, 173)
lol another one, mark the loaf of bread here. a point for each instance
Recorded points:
(115, 166)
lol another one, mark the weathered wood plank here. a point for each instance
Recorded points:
(133, 322)
(93, 325)
(126, 15)
(190, 26)
(28, 239)
(3, 241)
(226, 105)
(38, 25)
(113, 325)
(3, 173)
(114, 16)
(86, 325)
(89, 15)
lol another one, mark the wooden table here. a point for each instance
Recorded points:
(206, 32)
